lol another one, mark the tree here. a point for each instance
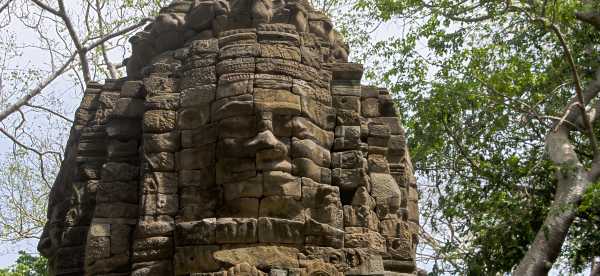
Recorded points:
(27, 265)
(50, 49)
(495, 93)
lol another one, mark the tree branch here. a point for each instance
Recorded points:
(578, 88)
(37, 90)
(85, 65)
(5, 6)
(49, 111)
(111, 68)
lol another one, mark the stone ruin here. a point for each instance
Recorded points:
(241, 143)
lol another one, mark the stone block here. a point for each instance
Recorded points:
(274, 230)
(190, 259)
(149, 226)
(363, 198)
(120, 238)
(194, 117)
(160, 161)
(128, 108)
(108, 192)
(116, 210)
(157, 85)
(307, 148)
(360, 216)
(369, 92)
(163, 101)
(371, 264)
(397, 145)
(238, 38)
(370, 108)
(378, 164)
(347, 103)
(76, 236)
(263, 257)
(159, 204)
(381, 142)
(280, 51)
(350, 179)
(322, 115)
(204, 46)
(160, 182)
(236, 230)
(164, 142)
(198, 96)
(196, 158)
(112, 171)
(159, 121)
(242, 208)
(352, 159)
(346, 117)
(231, 127)
(119, 149)
(152, 268)
(124, 129)
(285, 67)
(385, 187)
(236, 65)
(303, 128)
(272, 159)
(202, 178)
(346, 88)
(239, 51)
(234, 170)
(252, 187)
(198, 77)
(345, 71)
(232, 106)
(305, 167)
(284, 207)
(151, 249)
(98, 248)
(231, 85)
(323, 234)
(196, 232)
(277, 101)
(277, 183)
(347, 138)
(277, 82)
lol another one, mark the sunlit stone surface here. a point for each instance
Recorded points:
(241, 143)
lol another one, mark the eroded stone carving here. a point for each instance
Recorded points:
(241, 143)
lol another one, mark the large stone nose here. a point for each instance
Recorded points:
(265, 140)
(271, 153)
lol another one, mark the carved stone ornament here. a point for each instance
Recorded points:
(240, 143)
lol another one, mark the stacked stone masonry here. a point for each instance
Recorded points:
(241, 143)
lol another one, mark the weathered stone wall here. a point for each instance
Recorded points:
(242, 142)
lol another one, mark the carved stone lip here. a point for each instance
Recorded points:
(282, 165)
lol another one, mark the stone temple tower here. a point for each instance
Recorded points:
(241, 143)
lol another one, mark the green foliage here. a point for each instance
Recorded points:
(585, 232)
(479, 85)
(27, 265)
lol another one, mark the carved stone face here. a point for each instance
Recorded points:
(237, 149)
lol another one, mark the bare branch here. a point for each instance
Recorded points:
(3, 7)
(37, 90)
(85, 65)
(49, 111)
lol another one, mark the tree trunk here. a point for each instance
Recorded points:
(572, 183)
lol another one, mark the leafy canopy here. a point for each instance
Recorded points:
(481, 83)
(27, 265)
